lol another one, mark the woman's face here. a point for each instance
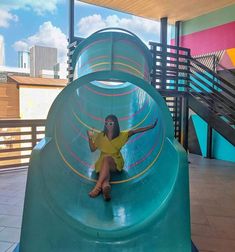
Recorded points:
(109, 124)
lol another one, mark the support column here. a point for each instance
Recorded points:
(177, 33)
(163, 41)
(71, 39)
(71, 21)
(163, 31)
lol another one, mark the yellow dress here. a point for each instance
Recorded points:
(110, 148)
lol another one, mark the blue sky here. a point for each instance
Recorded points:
(24, 23)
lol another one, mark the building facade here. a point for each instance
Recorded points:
(2, 51)
(23, 97)
(23, 59)
(42, 58)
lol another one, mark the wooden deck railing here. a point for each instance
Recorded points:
(17, 139)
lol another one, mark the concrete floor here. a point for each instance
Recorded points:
(212, 191)
(212, 186)
(12, 189)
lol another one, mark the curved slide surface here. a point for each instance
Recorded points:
(149, 210)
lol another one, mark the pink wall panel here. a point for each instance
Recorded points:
(213, 39)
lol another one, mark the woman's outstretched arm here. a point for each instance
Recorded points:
(133, 132)
(91, 142)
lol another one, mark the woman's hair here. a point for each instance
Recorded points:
(116, 128)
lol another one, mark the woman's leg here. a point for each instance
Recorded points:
(104, 176)
(106, 188)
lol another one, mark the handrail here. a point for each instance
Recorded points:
(229, 114)
(214, 79)
(211, 83)
(215, 75)
(218, 94)
(226, 69)
(17, 139)
(170, 46)
(21, 122)
(215, 63)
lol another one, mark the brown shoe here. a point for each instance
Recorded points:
(95, 192)
(106, 193)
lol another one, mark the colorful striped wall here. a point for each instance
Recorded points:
(214, 39)
(213, 19)
(213, 33)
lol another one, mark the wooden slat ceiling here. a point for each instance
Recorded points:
(175, 10)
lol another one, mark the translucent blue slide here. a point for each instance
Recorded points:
(149, 210)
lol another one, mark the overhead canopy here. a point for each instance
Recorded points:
(175, 10)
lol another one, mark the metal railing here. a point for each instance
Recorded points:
(170, 67)
(17, 139)
(180, 78)
(170, 76)
(214, 91)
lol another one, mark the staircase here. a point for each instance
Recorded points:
(179, 77)
(213, 99)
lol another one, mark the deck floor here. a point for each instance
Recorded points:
(212, 189)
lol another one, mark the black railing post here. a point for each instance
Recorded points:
(177, 104)
(163, 41)
(209, 142)
(209, 128)
(185, 121)
(180, 118)
(153, 71)
(186, 105)
(34, 135)
(177, 43)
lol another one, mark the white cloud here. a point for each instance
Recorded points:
(39, 6)
(21, 46)
(47, 35)
(6, 17)
(145, 29)
(90, 24)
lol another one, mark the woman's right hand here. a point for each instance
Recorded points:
(90, 133)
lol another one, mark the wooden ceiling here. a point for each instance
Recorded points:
(175, 10)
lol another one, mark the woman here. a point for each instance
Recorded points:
(109, 142)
